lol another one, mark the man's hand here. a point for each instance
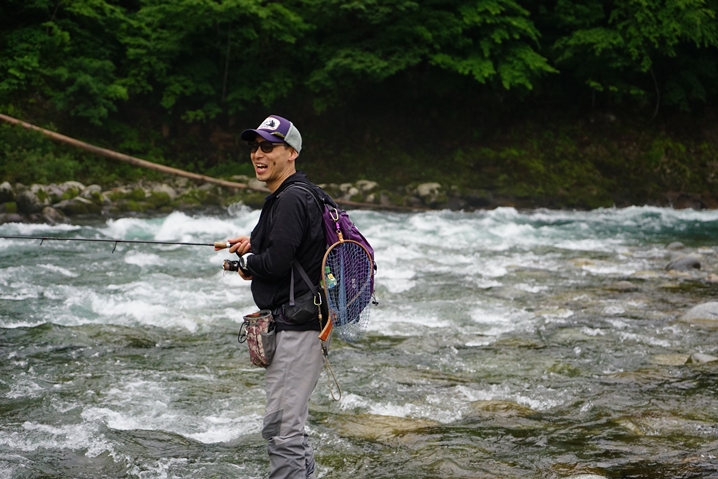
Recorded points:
(240, 245)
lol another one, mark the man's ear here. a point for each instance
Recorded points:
(293, 154)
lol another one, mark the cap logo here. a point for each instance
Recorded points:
(270, 123)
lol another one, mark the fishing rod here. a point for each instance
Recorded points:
(216, 244)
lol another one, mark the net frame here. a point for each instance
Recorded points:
(348, 303)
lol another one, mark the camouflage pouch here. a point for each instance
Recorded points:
(257, 331)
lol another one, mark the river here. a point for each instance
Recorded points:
(507, 344)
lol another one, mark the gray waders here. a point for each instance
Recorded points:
(290, 380)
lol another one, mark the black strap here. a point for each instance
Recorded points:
(295, 264)
(312, 192)
(305, 277)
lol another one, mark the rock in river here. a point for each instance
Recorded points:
(623, 286)
(684, 263)
(700, 358)
(705, 314)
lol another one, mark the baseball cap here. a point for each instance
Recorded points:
(276, 129)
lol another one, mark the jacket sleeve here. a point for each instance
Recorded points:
(285, 233)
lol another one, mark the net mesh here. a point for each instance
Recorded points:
(348, 286)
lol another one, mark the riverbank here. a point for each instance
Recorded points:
(57, 203)
(583, 163)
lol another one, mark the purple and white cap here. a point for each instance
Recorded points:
(276, 129)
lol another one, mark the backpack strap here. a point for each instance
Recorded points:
(295, 264)
(305, 277)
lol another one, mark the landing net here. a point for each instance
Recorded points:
(347, 275)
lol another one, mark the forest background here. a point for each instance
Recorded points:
(557, 103)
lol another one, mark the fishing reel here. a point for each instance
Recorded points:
(239, 265)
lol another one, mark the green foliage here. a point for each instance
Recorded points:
(158, 78)
(201, 59)
(638, 49)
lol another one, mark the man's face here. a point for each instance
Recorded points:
(273, 167)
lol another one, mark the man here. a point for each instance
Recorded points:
(287, 241)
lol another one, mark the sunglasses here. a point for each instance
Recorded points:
(266, 146)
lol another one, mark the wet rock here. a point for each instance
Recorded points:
(676, 245)
(29, 203)
(427, 189)
(385, 200)
(52, 216)
(684, 263)
(671, 359)
(646, 274)
(479, 199)
(415, 202)
(623, 286)
(678, 274)
(71, 188)
(586, 476)
(702, 312)
(501, 408)
(579, 262)
(91, 190)
(255, 184)
(699, 358)
(712, 278)
(378, 428)
(11, 218)
(430, 194)
(78, 206)
(54, 192)
(7, 193)
(366, 186)
(167, 189)
(94, 194)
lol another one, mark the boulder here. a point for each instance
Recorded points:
(703, 312)
(91, 190)
(163, 188)
(676, 245)
(349, 191)
(78, 206)
(255, 184)
(430, 194)
(94, 194)
(11, 218)
(52, 216)
(365, 185)
(7, 193)
(699, 358)
(477, 200)
(54, 192)
(385, 200)
(580, 262)
(71, 185)
(427, 189)
(623, 286)
(29, 203)
(684, 263)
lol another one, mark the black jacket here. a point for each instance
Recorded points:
(290, 228)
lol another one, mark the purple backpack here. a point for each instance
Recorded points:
(335, 220)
